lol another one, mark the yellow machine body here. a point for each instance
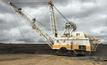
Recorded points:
(76, 41)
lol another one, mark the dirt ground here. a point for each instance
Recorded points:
(34, 59)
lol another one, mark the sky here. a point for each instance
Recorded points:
(89, 15)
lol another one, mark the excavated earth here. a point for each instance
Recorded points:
(42, 49)
(41, 54)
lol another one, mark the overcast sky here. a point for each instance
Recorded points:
(89, 15)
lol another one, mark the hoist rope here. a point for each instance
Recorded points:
(17, 19)
(61, 14)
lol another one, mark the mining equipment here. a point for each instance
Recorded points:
(70, 41)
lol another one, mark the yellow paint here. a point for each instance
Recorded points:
(60, 46)
(70, 47)
(88, 48)
(75, 47)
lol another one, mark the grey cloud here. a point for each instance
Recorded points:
(87, 14)
(36, 3)
(4, 9)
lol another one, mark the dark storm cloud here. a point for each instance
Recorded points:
(89, 15)
(42, 2)
(79, 9)
(36, 3)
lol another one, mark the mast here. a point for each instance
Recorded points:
(52, 18)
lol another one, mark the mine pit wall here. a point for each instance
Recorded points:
(25, 48)
(42, 49)
(101, 51)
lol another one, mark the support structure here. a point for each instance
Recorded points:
(35, 26)
(53, 19)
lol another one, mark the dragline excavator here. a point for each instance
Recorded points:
(74, 42)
